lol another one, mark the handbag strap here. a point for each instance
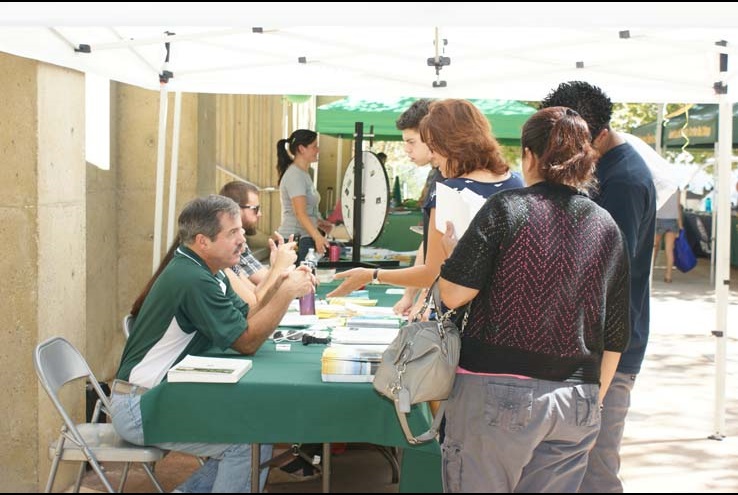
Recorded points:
(426, 436)
(426, 303)
(434, 292)
(448, 314)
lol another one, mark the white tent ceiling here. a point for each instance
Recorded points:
(497, 50)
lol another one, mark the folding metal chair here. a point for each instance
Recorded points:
(128, 321)
(58, 363)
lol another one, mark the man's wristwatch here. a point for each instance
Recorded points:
(375, 276)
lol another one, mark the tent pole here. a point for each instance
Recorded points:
(722, 255)
(339, 159)
(714, 208)
(358, 190)
(659, 130)
(161, 150)
(174, 167)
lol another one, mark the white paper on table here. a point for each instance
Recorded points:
(297, 320)
(457, 207)
(370, 310)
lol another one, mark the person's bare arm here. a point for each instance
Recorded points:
(282, 257)
(259, 276)
(415, 276)
(262, 323)
(241, 287)
(299, 206)
(407, 301)
(455, 295)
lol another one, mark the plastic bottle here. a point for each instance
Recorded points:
(334, 252)
(307, 302)
(708, 204)
(311, 258)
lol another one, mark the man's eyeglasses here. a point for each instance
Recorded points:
(256, 208)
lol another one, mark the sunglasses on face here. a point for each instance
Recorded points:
(255, 208)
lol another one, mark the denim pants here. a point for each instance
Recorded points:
(506, 434)
(604, 459)
(227, 470)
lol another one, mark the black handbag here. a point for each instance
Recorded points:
(420, 366)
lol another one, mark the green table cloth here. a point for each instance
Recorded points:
(283, 399)
(397, 235)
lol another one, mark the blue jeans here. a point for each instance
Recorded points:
(604, 459)
(228, 469)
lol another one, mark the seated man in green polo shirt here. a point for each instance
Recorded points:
(191, 307)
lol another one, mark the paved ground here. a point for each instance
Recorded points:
(666, 446)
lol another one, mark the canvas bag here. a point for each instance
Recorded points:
(684, 258)
(420, 366)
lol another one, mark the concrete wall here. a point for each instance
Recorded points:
(136, 118)
(104, 336)
(42, 217)
(248, 128)
(54, 210)
(79, 239)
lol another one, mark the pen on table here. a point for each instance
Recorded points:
(209, 370)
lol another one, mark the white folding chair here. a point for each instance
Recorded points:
(57, 363)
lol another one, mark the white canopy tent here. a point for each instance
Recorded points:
(498, 59)
(637, 52)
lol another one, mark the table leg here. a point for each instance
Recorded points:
(255, 461)
(326, 468)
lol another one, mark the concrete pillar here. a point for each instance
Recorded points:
(207, 141)
(136, 122)
(42, 219)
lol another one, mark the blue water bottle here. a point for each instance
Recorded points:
(708, 204)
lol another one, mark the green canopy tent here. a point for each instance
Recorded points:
(701, 128)
(338, 118)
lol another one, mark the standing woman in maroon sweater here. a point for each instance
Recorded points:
(547, 274)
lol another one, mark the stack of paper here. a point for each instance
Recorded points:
(355, 335)
(296, 320)
(374, 321)
(209, 369)
(350, 363)
(359, 301)
(457, 207)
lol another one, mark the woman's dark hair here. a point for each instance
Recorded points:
(301, 137)
(459, 131)
(145, 292)
(559, 137)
